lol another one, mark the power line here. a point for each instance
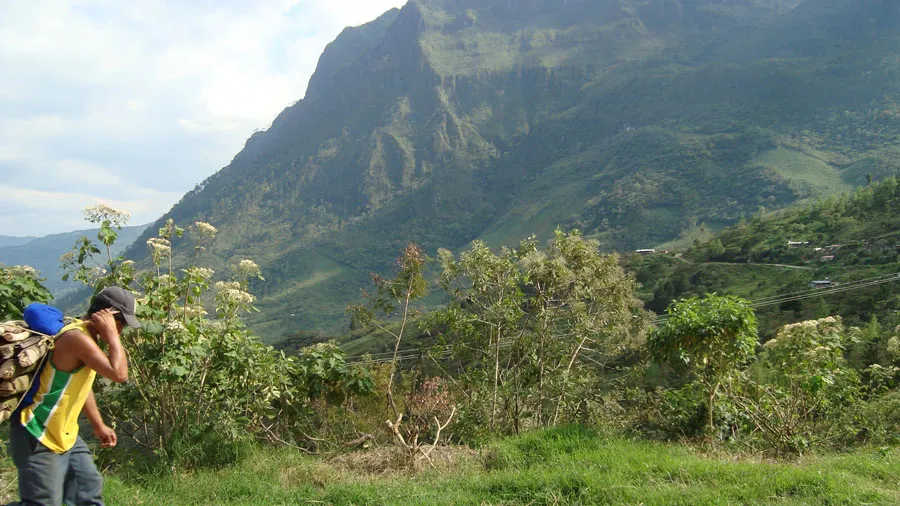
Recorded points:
(786, 296)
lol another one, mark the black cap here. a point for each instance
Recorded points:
(122, 300)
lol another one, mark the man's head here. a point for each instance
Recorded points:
(120, 300)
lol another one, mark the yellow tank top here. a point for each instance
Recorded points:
(52, 414)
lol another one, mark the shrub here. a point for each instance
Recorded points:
(806, 388)
(874, 422)
(19, 286)
(713, 337)
(201, 386)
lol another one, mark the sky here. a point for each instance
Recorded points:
(132, 103)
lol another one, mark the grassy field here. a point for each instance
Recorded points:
(811, 174)
(561, 466)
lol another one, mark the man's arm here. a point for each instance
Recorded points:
(105, 323)
(106, 435)
(75, 348)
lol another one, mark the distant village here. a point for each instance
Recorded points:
(818, 254)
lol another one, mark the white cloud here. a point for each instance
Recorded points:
(136, 102)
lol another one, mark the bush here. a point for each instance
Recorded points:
(874, 422)
(672, 414)
(201, 386)
(806, 389)
(19, 286)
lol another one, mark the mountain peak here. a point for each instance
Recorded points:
(453, 120)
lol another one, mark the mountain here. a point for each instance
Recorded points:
(43, 253)
(7, 240)
(851, 244)
(636, 121)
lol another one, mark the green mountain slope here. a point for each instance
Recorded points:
(634, 120)
(851, 242)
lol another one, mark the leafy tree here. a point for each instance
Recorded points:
(577, 299)
(712, 336)
(521, 321)
(394, 295)
(486, 290)
(822, 309)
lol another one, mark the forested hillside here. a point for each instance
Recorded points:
(850, 245)
(633, 120)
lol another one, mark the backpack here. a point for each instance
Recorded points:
(23, 351)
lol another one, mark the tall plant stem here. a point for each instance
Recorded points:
(399, 337)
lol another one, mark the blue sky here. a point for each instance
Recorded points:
(133, 103)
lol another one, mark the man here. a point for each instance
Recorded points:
(55, 465)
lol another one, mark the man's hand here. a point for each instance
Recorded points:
(105, 323)
(106, 435)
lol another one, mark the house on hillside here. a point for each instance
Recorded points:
(824, 283)
(645, 251)
(827, 258)
(797, 244)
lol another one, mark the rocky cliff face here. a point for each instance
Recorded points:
(634, 120)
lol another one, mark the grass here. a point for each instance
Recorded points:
(538, 218)
(810, 174)
(569, 465)
(687, 238)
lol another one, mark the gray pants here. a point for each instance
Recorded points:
(51, 479)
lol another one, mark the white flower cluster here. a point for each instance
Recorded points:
(193, 311)
(893, 348)
(205, 228)
(167, 280)
(175, 326)
(200, 272)
(214, 327)
(230, 291)
(810, 324)
(159, 246)
(246, 269)
(16, 271)
(794, 331)
(101, 212)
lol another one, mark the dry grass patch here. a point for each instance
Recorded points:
(390, 459)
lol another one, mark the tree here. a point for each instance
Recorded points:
(392, 295)
(712, 336)
(822, 308)
(486, 290)
(577, 299)
(521, 321)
